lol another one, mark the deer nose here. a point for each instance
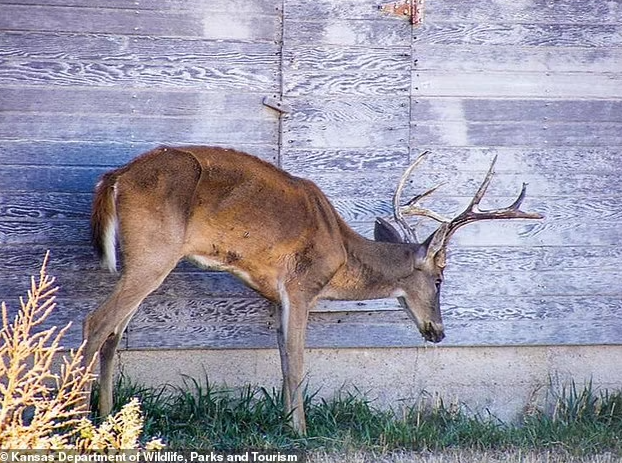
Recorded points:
(433, 332)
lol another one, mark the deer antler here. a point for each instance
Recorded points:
(473, 213)
(411, 207)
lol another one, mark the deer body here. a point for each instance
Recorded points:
(230, 211)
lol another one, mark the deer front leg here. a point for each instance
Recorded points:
(291, 340)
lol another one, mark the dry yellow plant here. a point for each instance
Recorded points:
(45, 407)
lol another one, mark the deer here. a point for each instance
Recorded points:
(226, 210)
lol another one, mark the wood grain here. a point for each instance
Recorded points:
(545, 133)
(137, 101)
(141, 75)
(512, 84)
(157, 130)
(252, 6)
(546, 111)
(352, 83)
(360, 134)
(347, 59)
(542, 183)
(519, 35)
(305, 162)
(356, 108)
(108, 154)
(526, 12)
(197, 22)
(505, 58)
(347, 33)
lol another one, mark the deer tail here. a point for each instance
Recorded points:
(105, 222)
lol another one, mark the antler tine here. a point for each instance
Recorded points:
(411, 208)
(481, 191)
(473, 213)
(409, 234)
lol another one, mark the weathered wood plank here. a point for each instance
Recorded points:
(597, 159)
(158, 130)
(207, 323)
(512, 110)
(348, 108)
(305, 161)
(542, 183)
(513, 233)
(138, 102)
(379, 329)
(56, 46)
(41, 232)
(519, 35)
(485, 307)
(526, 12)
(347, 59)
(546, 133)
(530, 11)
(49, 179)
(30, 206)
(572, 211)
(333, 135)
(140, 75)
(86, 284)
(483, 57)
(265, 7)
(347, 33)
(109, 153)
(231, 25)
(519, 85)
(200, 22)
(99, 20)
(329, 10)
(453, 159)
(346, 83)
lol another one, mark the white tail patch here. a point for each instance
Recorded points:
(109, 256)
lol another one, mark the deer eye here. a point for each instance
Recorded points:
(438, 284)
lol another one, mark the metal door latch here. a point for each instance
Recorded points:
(412, 9)
(275, 102)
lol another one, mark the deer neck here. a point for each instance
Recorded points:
(372, 270)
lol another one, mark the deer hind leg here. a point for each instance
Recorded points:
(291, 331)
(104, 327)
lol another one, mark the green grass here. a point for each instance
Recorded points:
(577, 421)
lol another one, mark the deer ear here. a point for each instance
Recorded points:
(435, 245)
(385, 232)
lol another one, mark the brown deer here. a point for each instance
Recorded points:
(227, 210)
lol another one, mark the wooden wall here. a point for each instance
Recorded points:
(87, 85)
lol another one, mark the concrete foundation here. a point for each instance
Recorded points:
(502, 381)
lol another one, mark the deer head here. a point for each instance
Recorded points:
(420, 295)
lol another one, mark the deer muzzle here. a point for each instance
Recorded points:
(433, 332)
